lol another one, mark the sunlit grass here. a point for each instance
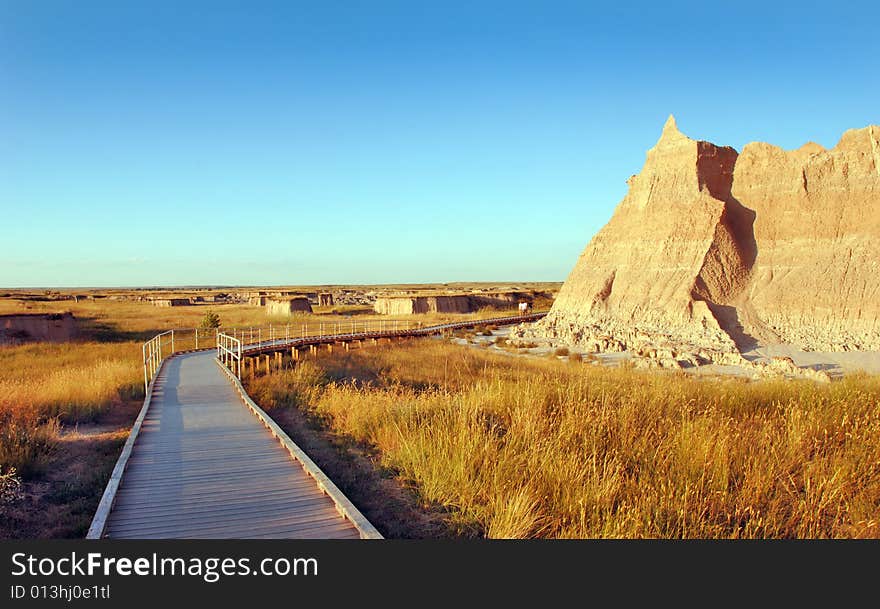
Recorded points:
(525, 447)
(78, 380)
(42, 385)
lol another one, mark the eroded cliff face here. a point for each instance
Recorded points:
(714, 251)
(816, 281)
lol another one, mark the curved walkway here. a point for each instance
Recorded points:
(204, 466)
(204, 461)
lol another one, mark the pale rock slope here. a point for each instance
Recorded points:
(816, 279)
(713, 251)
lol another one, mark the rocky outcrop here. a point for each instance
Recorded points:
(409, 305)
(26, 327)
(715, 250)
(291, 306)
(816, 279)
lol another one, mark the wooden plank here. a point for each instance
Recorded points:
(206, 502)
(210, 519)
(238, 487)
(254, 506)
(160, 496)
(304, 532)
(187, 472)
(274, 520)
(286, 527)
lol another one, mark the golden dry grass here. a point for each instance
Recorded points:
(110, 320)
(521, 447)
(42, 385)
(98, 377)
(78, 380)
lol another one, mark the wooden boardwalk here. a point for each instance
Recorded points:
(204, 466)
(204, 461)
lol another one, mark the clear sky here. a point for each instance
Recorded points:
(168, 143)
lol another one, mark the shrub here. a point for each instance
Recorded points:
(26, 443)
(527, 345)
(10, 488)
(560, 351)
(43, 385)
(210, 321)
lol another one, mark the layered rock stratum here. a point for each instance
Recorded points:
(719, 252)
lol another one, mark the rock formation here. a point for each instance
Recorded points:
(409, 304)
(172, 302)
(25, 327)
(816, 279)
(715, 250)
(290, 306)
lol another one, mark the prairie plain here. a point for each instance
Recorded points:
(66, 407)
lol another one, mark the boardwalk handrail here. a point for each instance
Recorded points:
(102, 513)
(229, 355)
(239, 339)
(229, 352)
(376, 329)
(152, 352)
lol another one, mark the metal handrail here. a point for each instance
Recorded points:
(152, 355)
(379, 332)
(229, 352)
(234, 342)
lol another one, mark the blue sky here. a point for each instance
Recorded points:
(169, 143)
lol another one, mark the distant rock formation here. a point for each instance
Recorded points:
(26, 327)
(288, 306)
(719, 251)
(410, 304)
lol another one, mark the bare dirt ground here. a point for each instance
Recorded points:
(60, 503)
(835, 364)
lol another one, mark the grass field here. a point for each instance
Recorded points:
(114, 321)
(527, 447)
(65, 408)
